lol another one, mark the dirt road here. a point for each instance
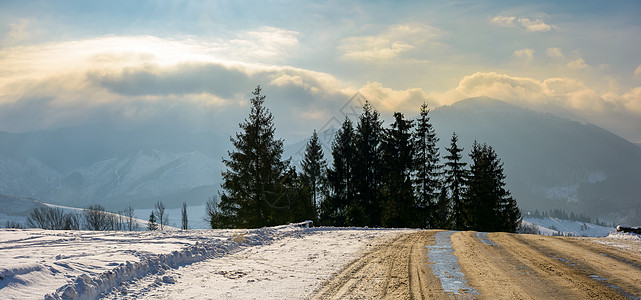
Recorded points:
(471, 265)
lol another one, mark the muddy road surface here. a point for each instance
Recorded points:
(471, 265)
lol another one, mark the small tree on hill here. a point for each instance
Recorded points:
(161, 215)
(185, 222)
(152, 225)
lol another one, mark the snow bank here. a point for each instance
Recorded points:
(88, 287)
(625, 236)
(84, 264)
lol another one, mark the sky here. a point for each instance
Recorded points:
(194, 64)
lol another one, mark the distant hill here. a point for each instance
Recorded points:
(98, 164)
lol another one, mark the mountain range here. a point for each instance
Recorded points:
(550, 162)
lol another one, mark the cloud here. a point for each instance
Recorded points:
(390, 100)
(389, 44)
(578, 64)
(637, 71)
(554, 52)
(143, 78)
(18, 32)
(532, 25)
(504, 21)
(266, 42)
(526, 54)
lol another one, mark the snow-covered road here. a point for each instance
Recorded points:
(289, 268)
(260, 263)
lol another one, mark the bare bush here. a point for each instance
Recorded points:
(96, 218)
(50, 218)
(13, 224)
(161, 215)
(130, 223)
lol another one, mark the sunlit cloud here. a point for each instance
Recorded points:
(391, 43)
(566, 97)
(637, 71)
(390, 100)
(578, 64)
(266, 42)
(139, 78)
(18, 32)
(532, 25)
(527, 54)
(554, 52)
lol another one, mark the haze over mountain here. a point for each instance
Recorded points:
(550, 162)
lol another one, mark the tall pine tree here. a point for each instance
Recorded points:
(340, 187)
(488, 205)
(314, 173)
(253, 193)
(367, 179)
(455, 181)
(399, 206)
(427, 170)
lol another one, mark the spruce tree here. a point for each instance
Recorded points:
(479, 205)
(314, 173)
(442, 217)
(367, 179)
(427, 170)
(253, 181)
(399, 205)
(455, 181)
(340, 187)
(185, 222)
(488, 205)
(152, 225)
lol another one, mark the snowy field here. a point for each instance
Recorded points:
(551, 226)
(269, 263)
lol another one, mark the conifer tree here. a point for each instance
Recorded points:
(442, 217)
(253, 182)
(455, 181)
(152, 225)
(314, 173)
(367, 179)
(185, 222)
(399, 205)
(488, 205)
(340, 186)
(427, 170)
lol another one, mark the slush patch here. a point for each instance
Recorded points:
(445, 265)
(482, 236)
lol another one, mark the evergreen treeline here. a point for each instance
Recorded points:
(390, 177)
